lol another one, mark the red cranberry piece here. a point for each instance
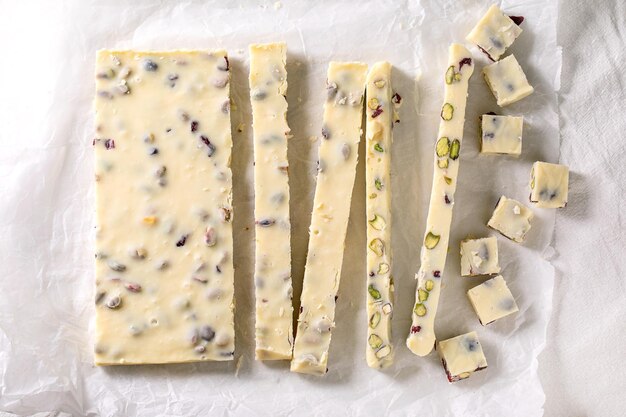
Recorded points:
(437, 274)
(415, 329)
(397, 98)
(377, 112)
(517, 19)
(465, 61)
(194, 125)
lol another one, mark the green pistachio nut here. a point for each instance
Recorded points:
(431, 240)
(374, 293)
(447, 111)
(375, 341)
(443, 146)
(419, 310)
(455, 148)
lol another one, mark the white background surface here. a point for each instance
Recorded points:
(583, 364)
(42, 284)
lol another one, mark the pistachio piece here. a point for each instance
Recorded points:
(373, 103)
(447, 111)
(383, 352)
(379, 83)
(377, 246)
(450, 73)
(375, 319)
(431, 240)
(378, 184)
(448, 180)
(383, 268)
(373, 292)
(387, 308)
(442, 163)
(419, 310)
(455, 148)
(422, 295)
(377, 222)
(375, 341)
(379, 148)
(429, 285)
(443, 146)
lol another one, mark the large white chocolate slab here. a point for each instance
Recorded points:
(507, 81)
(338, 152)
(479, 257)
(460, 68)
(501, 134)
(549, 185)
(272, 274)
(511, 218)
(492, 300)
(461, 356)
(494, 33)
(378, 134)
(164, 272)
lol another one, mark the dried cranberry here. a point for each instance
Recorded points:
(437, 274)
(181, 241)
(415, 329)
(377, 112)
(109, 144)
(396, 98)
(517, 19)
(486, 53)
(209, 145)
(465, 61)
(447, 200)
(194, 125)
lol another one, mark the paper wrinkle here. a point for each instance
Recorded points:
(46, 295)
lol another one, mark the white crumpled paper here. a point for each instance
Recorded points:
(46, 212)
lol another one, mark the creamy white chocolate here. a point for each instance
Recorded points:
(494, 33)
(461, 356)
(378, 132)
(272, 274)
(549, 185)
(511, 218)
(507, 81)
(479, 257)
(501, 134)
(492, 300)
(421, 337)
(164, 272)
(338, 154)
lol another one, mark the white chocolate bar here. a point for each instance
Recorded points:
(501, 134)
(272, 275)
(494, 33)
(492, 300)
(511, 218)
(549, 185)
(479, 257)
(507, 81)
(338, 154)
(378, 133)
(421, 337)
(164, 272)
(461, 356)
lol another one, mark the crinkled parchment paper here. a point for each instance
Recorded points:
(47, 205)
